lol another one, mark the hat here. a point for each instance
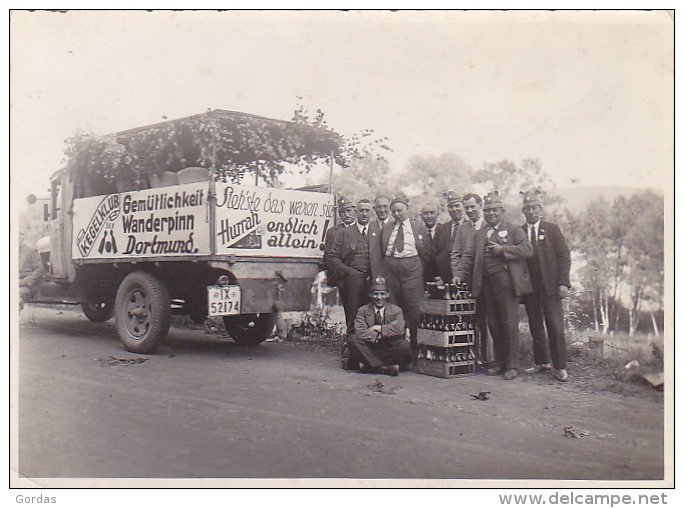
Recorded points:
(378, 284)
(344, 203)
(492, 200)
(531, 198)
(452, 197)
(400, 199)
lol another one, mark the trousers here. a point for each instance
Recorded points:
(543, 309)
(501, 304)
(383, 352)
(405, 281)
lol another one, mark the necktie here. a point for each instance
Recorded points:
(363, 232)
(533, 235)
(399, 240)
(378, 317)
(454, 228)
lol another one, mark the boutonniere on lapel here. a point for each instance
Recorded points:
(420, 237)
(503, 235)
(541, 234)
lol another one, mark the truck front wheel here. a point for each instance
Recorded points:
(143, 312)
(98, 312)
(250, 329)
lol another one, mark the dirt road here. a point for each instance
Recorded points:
(203, 407)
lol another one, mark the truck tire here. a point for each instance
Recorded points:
(98, 312)
(143, 312)
(250, 329)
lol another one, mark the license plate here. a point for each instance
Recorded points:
(223, 300)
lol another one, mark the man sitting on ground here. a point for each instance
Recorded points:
(379, 344)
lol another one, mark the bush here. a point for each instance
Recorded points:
(317, 327)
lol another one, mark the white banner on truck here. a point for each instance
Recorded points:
(262, 221)
(167, 221)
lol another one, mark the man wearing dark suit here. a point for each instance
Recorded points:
(350, 258)
(347, 212)
(379, 344)
(499, 272)
(462, 248)
(403, 250)
(550, 272)
(446, 236)
(429, 215)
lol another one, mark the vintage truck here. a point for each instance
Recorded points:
(187, 239)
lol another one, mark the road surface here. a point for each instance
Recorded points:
(204, 407)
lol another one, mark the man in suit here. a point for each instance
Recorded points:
(462, 248)
(379, 345)
(446, 236)
(346, 209)
(382, 211)
(499, 272)
(350, 259)
(550, 273)
(403, 249)
(429, 215)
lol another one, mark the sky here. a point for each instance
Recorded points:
(588, 93)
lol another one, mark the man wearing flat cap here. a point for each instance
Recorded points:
(499, 272)
(403, 249)
(445, 236)
(379, 345)
(550, 272)
(346, 209)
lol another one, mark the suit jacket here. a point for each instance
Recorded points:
(554, 257)
(516, 250)
(442, 250)
(393, 323)
(333, 277)
(347, 243)
(463, 249)
(382, 241)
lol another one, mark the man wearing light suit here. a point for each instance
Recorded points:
(550, 272)
(378, 345)
(403, 248)
(499, 271)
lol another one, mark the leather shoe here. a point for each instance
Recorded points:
(561, 375)
(510, 374)
(365, 369)
(390, 370)
(538, 368)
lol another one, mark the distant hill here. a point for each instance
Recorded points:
(577, 198)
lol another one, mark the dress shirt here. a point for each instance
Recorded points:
(409, 242)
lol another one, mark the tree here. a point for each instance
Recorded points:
(427, 179)
(622, 248)
(360, 166)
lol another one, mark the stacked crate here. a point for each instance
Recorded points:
(446, 334)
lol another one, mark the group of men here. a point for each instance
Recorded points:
(381, 266)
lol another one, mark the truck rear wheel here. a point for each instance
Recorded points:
(143, 312)
(98, 312)
(250, 329)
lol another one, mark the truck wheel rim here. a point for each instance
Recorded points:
(138, 313)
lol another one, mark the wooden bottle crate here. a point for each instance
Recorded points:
(462, 353)
(445, 339)
(448, 307)
(445, 369)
